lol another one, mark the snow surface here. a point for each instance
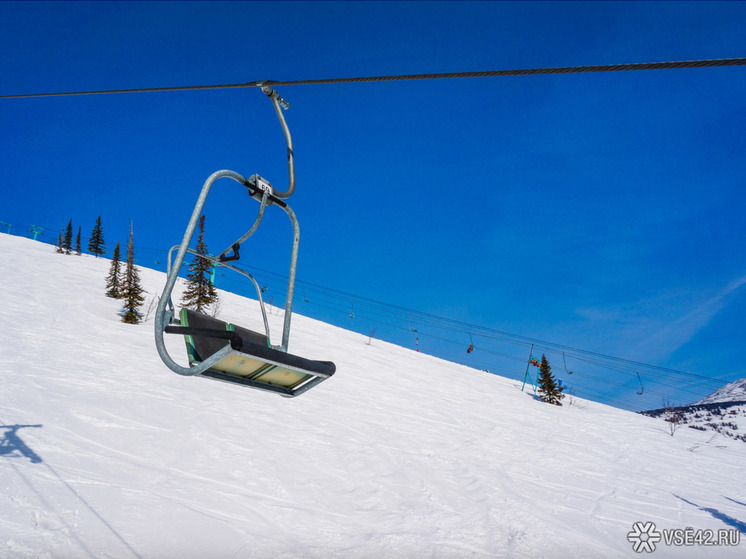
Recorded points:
(106, 453)
(732, 392)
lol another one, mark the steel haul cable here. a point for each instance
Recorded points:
(406, 77)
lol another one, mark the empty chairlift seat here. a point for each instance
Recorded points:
(220, 350)
(251, 361)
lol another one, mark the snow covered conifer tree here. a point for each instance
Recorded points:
(114, 279)
(96, 245)
(200, 293)
(132, 291)
(549, 390)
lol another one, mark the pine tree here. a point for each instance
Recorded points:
(96, 245)
(114, 279)
(549, 390)
(200, 293)
(78, 248)
(60, 244)
(68, 246)
(132, 292)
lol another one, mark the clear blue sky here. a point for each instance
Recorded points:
(598, 211)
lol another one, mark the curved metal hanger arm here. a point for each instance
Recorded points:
(279, 104)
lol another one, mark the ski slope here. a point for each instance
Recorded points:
(106, 453)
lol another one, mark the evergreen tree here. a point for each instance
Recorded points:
(68, 246)
(96, 245)
(114, 279)
(200, 293)
(78, 248)
(60, 244)
(549, 390)
(132, 292)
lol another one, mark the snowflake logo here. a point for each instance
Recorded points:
(643, 537)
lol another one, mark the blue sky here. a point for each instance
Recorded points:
(597, 211)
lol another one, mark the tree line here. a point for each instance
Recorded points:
(123, 280)
(96, 244)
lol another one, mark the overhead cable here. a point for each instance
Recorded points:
(404, 77)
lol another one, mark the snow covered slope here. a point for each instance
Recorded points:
(106, 453)
(732, 392)
(722, 412)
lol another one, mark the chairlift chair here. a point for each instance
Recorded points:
(564, 360)
(224, 351)
(642, 387)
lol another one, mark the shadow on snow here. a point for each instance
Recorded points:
(11, 444)
(729, 520)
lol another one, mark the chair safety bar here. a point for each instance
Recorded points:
(220, 261)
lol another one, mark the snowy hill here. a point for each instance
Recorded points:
(723, 412)
(723, 418)
(732, 392)
(106, 453)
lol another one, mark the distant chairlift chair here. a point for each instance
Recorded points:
(223, 351)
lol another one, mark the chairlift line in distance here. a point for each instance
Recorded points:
(224, 351)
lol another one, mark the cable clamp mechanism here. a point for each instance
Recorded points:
(258, 186)
(272, 94)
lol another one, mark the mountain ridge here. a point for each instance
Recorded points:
(732, 392)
